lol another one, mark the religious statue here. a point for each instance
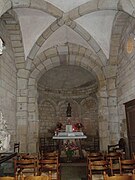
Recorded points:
(2, 45)
(68, 110)
(4, 135)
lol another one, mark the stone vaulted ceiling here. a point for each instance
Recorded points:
(71, 28)
(34, 23)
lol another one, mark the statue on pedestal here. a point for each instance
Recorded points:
(68, 112)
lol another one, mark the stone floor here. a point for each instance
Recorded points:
(76, 173)
(73, 173)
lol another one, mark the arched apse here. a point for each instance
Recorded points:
(44, 63)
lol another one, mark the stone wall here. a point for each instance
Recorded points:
(126, 74)
(84, 111)
(8, 84)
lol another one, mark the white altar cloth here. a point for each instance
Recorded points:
(70, 135)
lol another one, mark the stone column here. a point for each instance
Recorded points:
(114, 125)
(103, 119)
(33, 121)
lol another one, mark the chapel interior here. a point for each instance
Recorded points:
(67, 75)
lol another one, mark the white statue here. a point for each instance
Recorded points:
(2, 46)
(4, 135)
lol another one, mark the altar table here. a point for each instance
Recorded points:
(77, 136)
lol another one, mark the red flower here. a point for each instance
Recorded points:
(78, 125)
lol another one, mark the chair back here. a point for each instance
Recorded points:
(114, 155)
(28, 155)
(50, 155)
(118, 147)
(25, 166)
(45, 177)
(133, 155)
(95, 156)
(114, 160)
(127, 166)
(133, 176)
(97, 167)
(17, 147)
(118, 177)
(51, 166)
(8, 178)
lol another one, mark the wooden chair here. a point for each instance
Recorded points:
(97, 167)
(114, 161)
(8, 178)
(117, 177)
(121, 146)
(133, 176)
(37, 177)
(50, 155)
(17, 147)
(133, 155)
(127, 166)
(25, 166)
(28, 155)
(95, 156)
(51, 166)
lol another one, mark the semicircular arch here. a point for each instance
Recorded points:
(85, 63)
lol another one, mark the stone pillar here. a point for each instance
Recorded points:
(22, 108)
(33, 121)
(114, 125)
(103, 119)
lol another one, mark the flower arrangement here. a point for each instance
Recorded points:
(59, 126)
(70, 147)
(78, 126)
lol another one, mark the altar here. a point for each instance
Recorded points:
(70, 135)
(68, 138)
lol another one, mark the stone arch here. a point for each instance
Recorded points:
(49, 100)
(115, 42)
(82, 62)
(70, 48)
(42, 5)
(51, 58)
(92, 6)
(12, 24)
(44, 63)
